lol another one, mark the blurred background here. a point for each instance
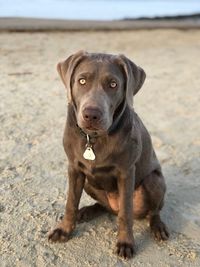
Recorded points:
(97, 9)
(163, 37)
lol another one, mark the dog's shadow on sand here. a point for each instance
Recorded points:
(174, 213)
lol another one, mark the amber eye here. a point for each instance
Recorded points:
(113, 84)
(82, 81)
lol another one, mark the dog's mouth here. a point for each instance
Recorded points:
(92, 130)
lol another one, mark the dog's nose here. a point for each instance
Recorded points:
(92, 115)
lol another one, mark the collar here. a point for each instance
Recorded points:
(81, 131)
(92, 137)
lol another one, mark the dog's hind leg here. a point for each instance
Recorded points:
(155, 188)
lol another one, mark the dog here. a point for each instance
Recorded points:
(109, 150)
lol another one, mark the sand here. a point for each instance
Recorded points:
(33, 166)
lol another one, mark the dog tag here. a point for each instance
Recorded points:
(89, 154)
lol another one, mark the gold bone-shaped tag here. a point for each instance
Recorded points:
(89, 154)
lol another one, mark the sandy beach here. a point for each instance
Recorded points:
(33, 166)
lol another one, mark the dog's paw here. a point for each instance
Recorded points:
(125, 250)
(159, 231)
(58, 235)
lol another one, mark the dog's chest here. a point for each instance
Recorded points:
(101, 177)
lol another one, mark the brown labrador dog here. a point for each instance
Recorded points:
(109, 149)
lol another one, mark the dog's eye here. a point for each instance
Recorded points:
(82, 81)
(113, 84)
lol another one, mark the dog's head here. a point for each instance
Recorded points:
(99, 86)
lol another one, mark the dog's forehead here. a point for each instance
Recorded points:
(99, 63)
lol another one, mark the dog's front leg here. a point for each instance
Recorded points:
(65, 227)
(125, 244)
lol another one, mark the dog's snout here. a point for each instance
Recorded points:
(92, 114)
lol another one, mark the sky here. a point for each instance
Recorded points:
(96, 9)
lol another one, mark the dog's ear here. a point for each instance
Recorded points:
(66, 69)
(135, 77)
